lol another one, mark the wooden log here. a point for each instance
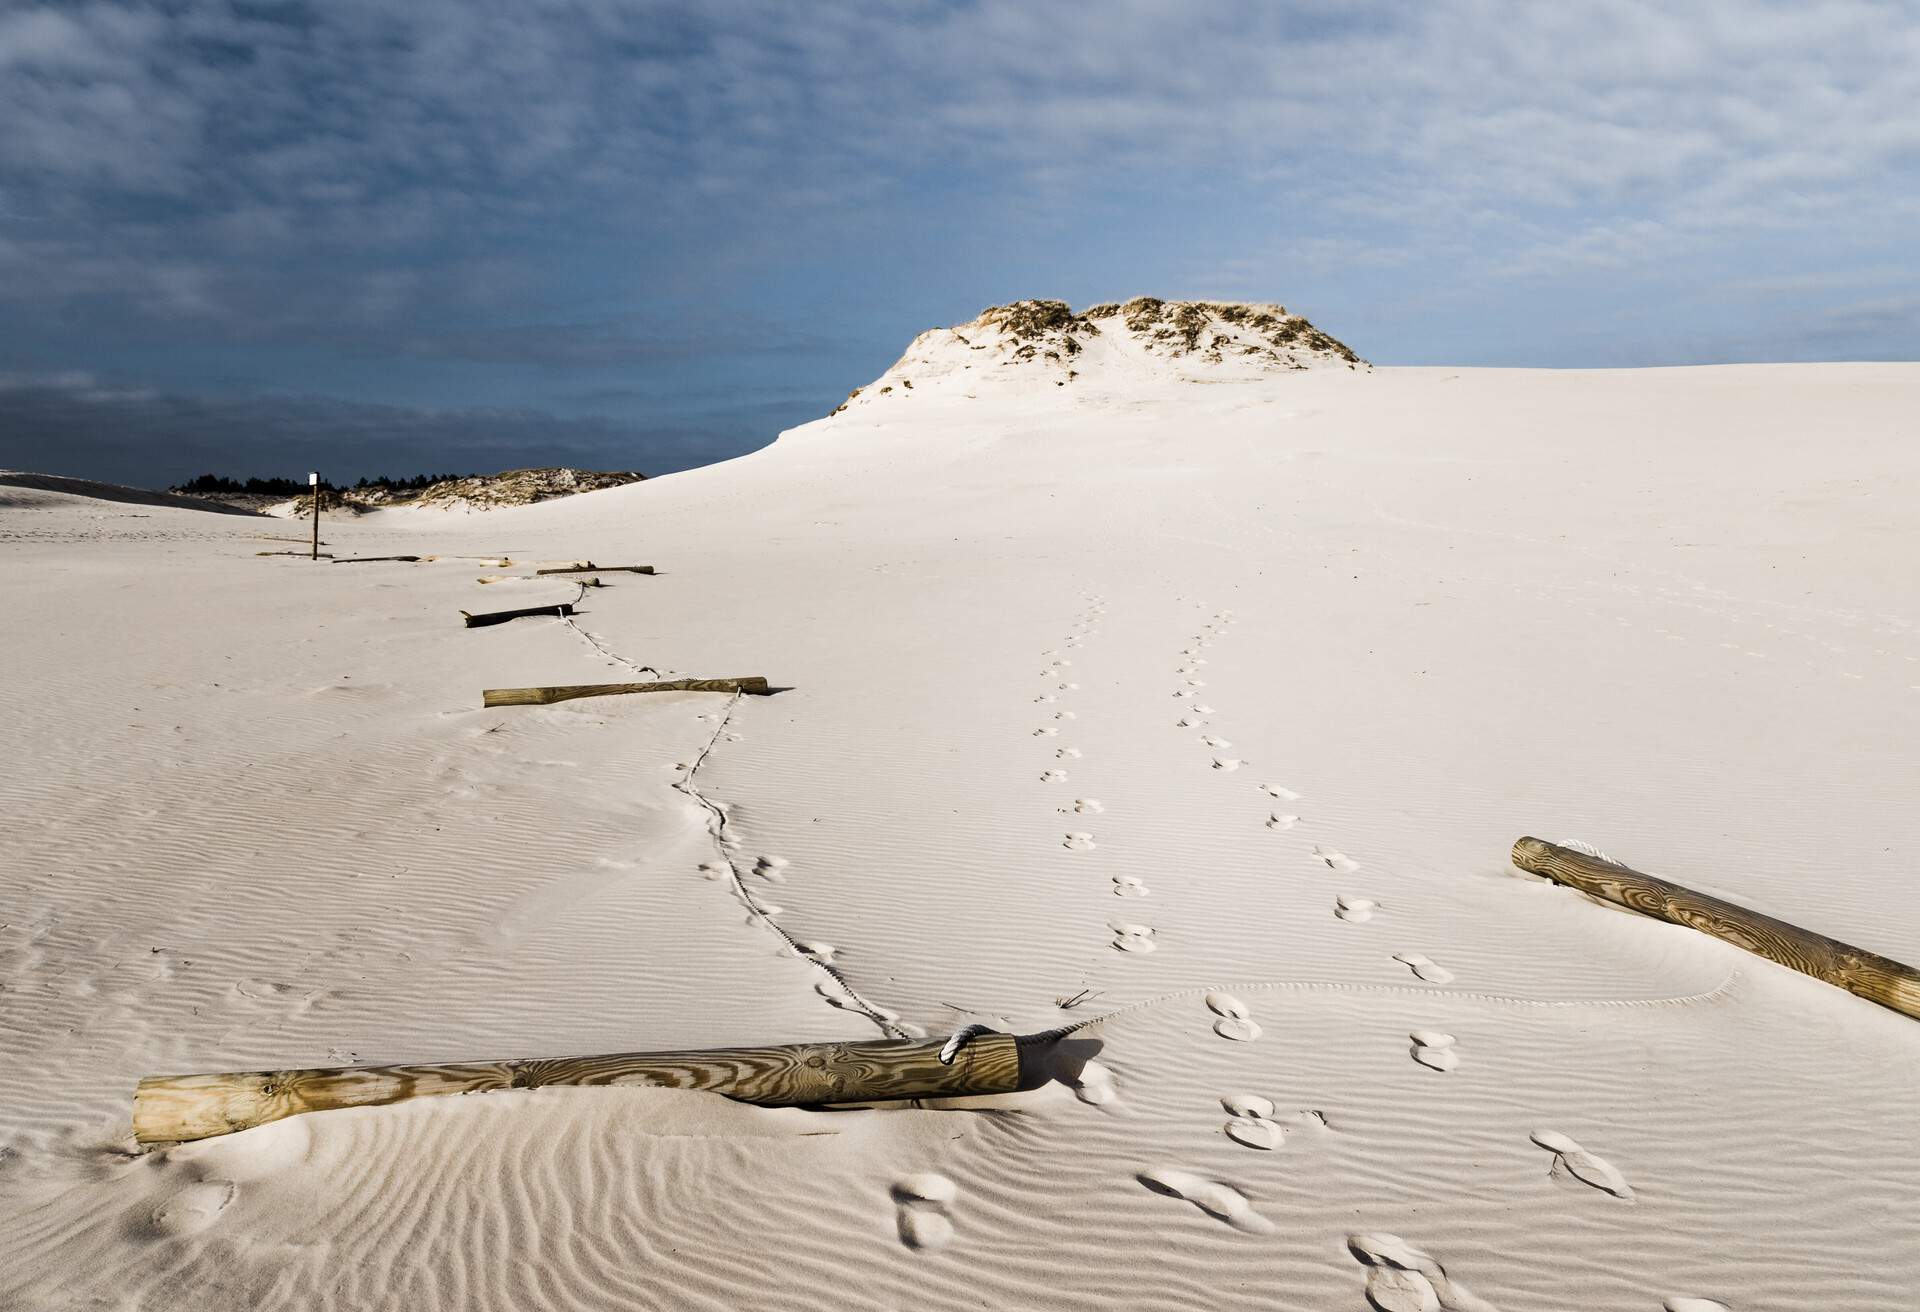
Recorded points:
(502, 616)
(325, 555)
(175, 1108)
(361, 560)
(1868, 974)
(587, 566)
(543, 696)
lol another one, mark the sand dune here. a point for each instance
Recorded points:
(1210, 709)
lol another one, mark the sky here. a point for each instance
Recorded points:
(370, 237)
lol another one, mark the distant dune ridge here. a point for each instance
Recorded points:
(513, 487)
(1210, 341)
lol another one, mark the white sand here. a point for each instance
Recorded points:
(1142, 686)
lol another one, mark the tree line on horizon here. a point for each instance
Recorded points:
(287, 487)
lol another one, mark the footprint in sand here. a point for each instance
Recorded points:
(1078, 842)
(1424, 967)
(1067, 687)
(1572, 1162)
(194, 1208)
(1128, 937)
(1065, 715)
(1225, 763)
(1128, 886)
(821, 953)
(1282, 820)
(1202, 710)
(1434, 1049)
(836, 995)
(1694, 1305)
(1053, 776)
(772, 868)
(1187, 722)
(1402, 1278)
(1335, 860)
(1088, 805)
(1211, 741)
(1094, 1084)
(1046, 732)
(1046, 699)
(922, 1199)
(1217, 1199)
(1068, 754)
(1284, 794)
(1235, 1022)
(1182, 692)
(1355, 909)
(1253, 1125)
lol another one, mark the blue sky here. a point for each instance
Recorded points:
(473, 234)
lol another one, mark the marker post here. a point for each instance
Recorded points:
(313, 484)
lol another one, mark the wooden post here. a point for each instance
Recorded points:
(1874, 977)
(754, 683)
(313, 483)
(587, 566)
(174, 1108)
(502, 616)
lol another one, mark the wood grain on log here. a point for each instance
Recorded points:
(175, 1108)
(1868, 974)
(542, 696)
(361, 560)
(502, 616)
(588, 566)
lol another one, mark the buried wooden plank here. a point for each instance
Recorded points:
(543, 696)
(361, 560)
(502, 616)
(525, 578)
(177, 1108)
(1868, 974)
(588, 566)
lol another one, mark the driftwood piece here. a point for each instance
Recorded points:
(174, 1108)
(304, 555)
(1868, 974)
(361, 560)
(754, 683)
(587, 566)
(502, 616)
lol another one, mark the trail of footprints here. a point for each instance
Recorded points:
(1400, 1276)
(1348, 907)
(1127, 936)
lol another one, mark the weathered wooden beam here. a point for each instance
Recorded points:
(502, 616)
(361, 560)
(543, 696)
(587, 566)
(1868, 974)
(325, 555)
(175, 1108)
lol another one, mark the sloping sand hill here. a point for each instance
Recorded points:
(1206, 704)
